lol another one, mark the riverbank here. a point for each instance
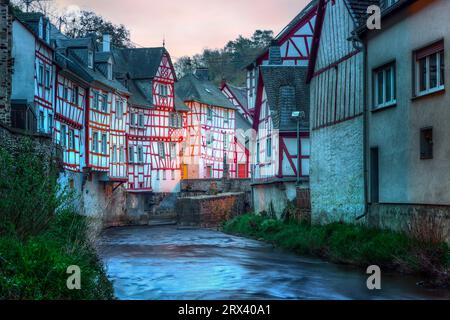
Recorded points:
(42, 235)
(351, 244)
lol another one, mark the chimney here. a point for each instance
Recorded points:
(106, 43)
(202, 74)
(274, 54)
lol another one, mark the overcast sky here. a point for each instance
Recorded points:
(192, 25)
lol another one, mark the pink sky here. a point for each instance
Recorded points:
(192, 25)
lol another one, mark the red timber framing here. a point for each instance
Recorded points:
(98, 129)
(44, 73)
(288, 159)
(211, 139)
(118, 138)
(70, 103)
(138, 146)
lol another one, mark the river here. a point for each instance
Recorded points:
(155, 263)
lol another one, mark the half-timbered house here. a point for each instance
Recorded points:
(294, 42)
(34, 73)
(210, 149)
(337, 103)
(156, 119)
(281, 159)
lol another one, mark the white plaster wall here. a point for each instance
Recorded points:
(167, 185)
(337, 184)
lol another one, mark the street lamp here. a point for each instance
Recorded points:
(298, 116)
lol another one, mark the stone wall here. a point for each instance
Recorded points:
(5, 62)
(14, 140)
(337, 173)
(426, 222)
(209, 211)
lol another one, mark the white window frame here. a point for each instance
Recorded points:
(163, 90)
(209, 113)
(104, 143)
(119, 109)
(269, 147)
(114, 154)
(131, 154)
(90, 59)
(385, 103)
(122, 154)
(173, 150)
(48, 77)
(71, 139)
(439, 86)
(161, 150)
(95, 138)
(41, 70)
(140, 151)
(141, 120)
(63, 136)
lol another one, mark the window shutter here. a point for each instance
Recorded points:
(436, 47)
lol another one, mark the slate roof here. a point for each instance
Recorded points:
(139, 63)
(70, 48)
(287, 91)
(241, 122)
(358, 9)
(240, 93)
(191, 88)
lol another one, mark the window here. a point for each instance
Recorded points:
(71, 139)
(41, 74)
(173, 174)
(209, 138)
(163, 90)
(140, 154)
(133, 119)
(173, 150)
(104, 144)
(119, 109)
(50, 123)
(41, 121)
(161, 150)
(430, 69)
(384, 86)
(66, 94)
(63, 138)
(75, 93)
(164, 175)
(90, 59)
(226, 116)
(114, 154)
(131, 154)
(209, 113)
(96, 100)
(141, 120)
(95, 142)
(158, 175)
(426, 143)
(104, 103)
(269, 147)
(257, 152)
(172, 120)
(122, 155)
(48, 78)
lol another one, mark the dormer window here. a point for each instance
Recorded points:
(90, 59)
(47, 32)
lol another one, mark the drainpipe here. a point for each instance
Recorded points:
(360, 45)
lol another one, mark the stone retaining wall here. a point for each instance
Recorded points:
(427, 222)
(210, 211)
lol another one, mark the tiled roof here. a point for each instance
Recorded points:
(358, 9)
(287, 91)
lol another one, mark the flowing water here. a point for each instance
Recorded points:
(151, 263)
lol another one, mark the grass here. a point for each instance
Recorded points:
(41, 234)
(350, 244)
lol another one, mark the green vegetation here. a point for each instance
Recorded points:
(350, 244)
(41, 235)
